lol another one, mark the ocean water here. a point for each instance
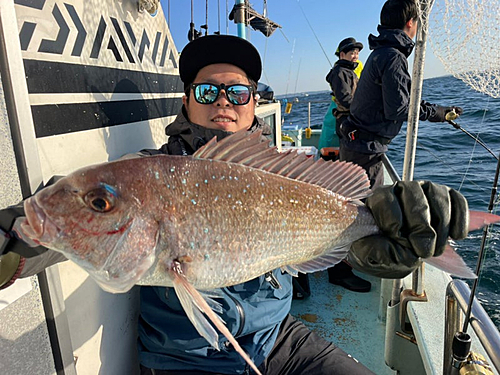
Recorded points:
(448, 156)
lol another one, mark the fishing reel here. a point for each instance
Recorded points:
(451, 115)
(475, 364)
(464, 361)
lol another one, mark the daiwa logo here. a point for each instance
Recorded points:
(109, 33)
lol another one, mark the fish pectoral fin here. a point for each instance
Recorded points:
(209, 295)
(195, 306)
(324, 261)
(452, 263)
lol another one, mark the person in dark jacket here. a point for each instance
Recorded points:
(219, 74)
(382, 99)
(343, 81)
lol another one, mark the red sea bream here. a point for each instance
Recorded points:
(231, 212)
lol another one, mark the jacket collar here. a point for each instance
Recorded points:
(391, 38)
(347, 64)
(196, 135)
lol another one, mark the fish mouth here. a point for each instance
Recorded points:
(38, 225)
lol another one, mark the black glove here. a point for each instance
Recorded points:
(440, 112)
(416, 218)
(8, 240)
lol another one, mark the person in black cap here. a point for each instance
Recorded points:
(342, 78)
(343, 81)
(219, 75)
(382, 99)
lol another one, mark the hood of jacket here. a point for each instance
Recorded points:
(394, 38)
(196, 135)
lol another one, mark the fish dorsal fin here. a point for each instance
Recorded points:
(344, 178)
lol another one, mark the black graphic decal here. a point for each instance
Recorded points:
(56, 46)
(50, 77)
(130, 32)
(114, 49)
(122, 39)
(164, 52)
(155, 48)
(36, 4)
(172, 58)
(82, 34)
(57, 119)
(96, 48)
(144, 42)
(26, 34)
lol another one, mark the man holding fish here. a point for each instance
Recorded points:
(223, 227)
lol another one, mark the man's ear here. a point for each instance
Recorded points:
(185, 100)
(409, 23)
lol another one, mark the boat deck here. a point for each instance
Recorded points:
(349, 320)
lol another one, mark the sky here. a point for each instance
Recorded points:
(297, 57)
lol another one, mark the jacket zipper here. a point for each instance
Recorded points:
(271, 279)
(241, 313)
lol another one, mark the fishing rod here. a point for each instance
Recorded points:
(452, 115)
(317, 39)
(462, 340)
(483, 245)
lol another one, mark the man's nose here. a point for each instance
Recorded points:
(222, 99)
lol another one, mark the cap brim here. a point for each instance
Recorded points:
(219, 49)
(352, 46)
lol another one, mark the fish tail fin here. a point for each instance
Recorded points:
(452, 263)
(478, 219)
(195, 306)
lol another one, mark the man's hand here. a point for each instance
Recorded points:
(416, 218)
(440, 113)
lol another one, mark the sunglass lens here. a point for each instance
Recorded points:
(238, 94)
(206, 94)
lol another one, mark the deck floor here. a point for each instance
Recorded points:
(348, 319)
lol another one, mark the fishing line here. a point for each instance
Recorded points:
(474, 147)
(264, 64)
(290, 69)
(329, 62)
(450, 167)
(297, 78)
(476, 138)
(482, 249)
(227, 17)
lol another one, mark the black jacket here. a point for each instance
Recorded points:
(343, 82)
(382, 98)
(186, 137)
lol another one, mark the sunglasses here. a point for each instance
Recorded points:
(207, 93)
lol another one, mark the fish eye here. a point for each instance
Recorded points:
(100, 200)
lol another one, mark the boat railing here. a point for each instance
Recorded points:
(393, 174)
(289, 104)
(457, 299)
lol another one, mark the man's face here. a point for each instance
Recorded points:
(352, 55)
(411, 28)
(221, 114)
